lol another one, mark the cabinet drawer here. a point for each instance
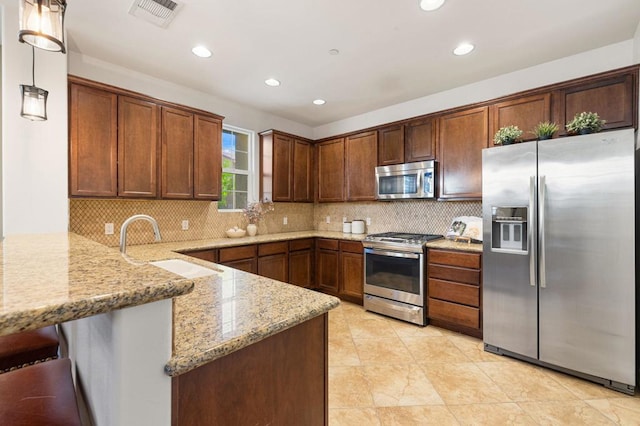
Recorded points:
(267, 249)
(454, 292)
(452, 312)
(209, 254)
(229, 254)
(327, 244)
(463, 275)
(302, 244)
(454, 258)
(351, 246)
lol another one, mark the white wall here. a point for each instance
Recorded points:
(234, 113)
(636, 45)
(609, 57)
(34, 154)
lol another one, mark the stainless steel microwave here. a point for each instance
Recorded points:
(409, 180)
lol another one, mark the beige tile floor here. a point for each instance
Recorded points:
(387, 372)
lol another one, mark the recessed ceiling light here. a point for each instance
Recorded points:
(201, 51)
(463, 49)
(272, 82)
(319, 102)
(430, 5)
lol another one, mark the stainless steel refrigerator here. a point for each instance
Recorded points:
(559, 284)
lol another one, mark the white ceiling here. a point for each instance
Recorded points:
(390, 50)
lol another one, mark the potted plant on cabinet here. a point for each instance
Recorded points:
(507, 135)
(584, 123)
(544, 130)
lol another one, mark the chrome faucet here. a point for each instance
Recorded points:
(125, 225)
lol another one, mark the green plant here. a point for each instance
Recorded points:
(544, 130)
(585, 122)
(507, 135)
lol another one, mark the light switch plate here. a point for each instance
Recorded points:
(328, 219)
(285, 220)
(368, 221)
(108, 229)
(185, 225)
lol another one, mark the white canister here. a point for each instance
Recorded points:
(346, 227)
(357, 227)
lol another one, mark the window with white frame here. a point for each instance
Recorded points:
(238, 180)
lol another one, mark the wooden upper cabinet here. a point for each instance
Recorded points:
(302, 171)
(614, 99)
(282, 167)
(391, 145)
(525, 113)
(138, 147)
(462, 137)
(420, 140)
(330, 157)
(177, 153)
(360, 163)
(207, 150)
(93, 142)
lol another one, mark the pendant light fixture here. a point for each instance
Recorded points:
(34, 99)
(42, 24)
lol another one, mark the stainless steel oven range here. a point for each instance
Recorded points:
(394, 279)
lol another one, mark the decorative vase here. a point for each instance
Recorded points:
(252, 229)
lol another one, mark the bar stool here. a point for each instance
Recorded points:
(40, 394)
(28, 347)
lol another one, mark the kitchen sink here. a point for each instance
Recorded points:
(183, 268)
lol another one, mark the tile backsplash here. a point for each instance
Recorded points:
(88, 218)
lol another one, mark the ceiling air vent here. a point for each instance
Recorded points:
(158, 12)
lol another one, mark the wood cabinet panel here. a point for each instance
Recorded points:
(451, 273)
(352, 276)
(614, 99)
(247, 265)
(462, 137)
(391, 145)
(330, 157)
(301, 244)
(177, 153)
(207, 151)
(282, 167)
(275, 266)
(266, 249)
(281, 380)
(302, 172)
(228, 254)
(327, 264)
(210, 255)
(455, 313)
(327, 244)
(351, 247)
(420, 140)
(138, 147)
(454, 292)
(455, 258)
(93, 142)
(301, 268)
(525, 113)
(360, 166)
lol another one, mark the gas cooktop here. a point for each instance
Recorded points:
(400, 238)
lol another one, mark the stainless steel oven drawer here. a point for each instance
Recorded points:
(392, 308)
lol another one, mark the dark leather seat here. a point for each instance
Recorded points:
(28, 347)
(41, 394)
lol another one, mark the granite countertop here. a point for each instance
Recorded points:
(51, 278)
(455, 245)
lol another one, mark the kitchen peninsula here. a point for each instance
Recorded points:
(143, 358)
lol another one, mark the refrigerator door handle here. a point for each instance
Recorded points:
(531, 232)
(542, 192)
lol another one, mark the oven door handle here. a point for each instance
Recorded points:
(392, 253)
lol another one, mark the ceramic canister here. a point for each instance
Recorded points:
(346, 227)
(357, 227)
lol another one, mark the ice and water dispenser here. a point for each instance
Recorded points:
(509, 229)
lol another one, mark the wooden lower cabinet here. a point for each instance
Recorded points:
(243, 258)
(301, 262)
(281, 380)
(454, 289)
(210, 255)
(340, 269)
(273, 260)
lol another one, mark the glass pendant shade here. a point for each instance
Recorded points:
(42, 24)
(34, 103)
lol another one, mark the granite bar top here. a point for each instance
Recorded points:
(455, 245)
(51, 278)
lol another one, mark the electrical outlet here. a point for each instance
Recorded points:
(328, 219)
(285, 220)
(368, 221)
(108, 229)
(185, 225)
